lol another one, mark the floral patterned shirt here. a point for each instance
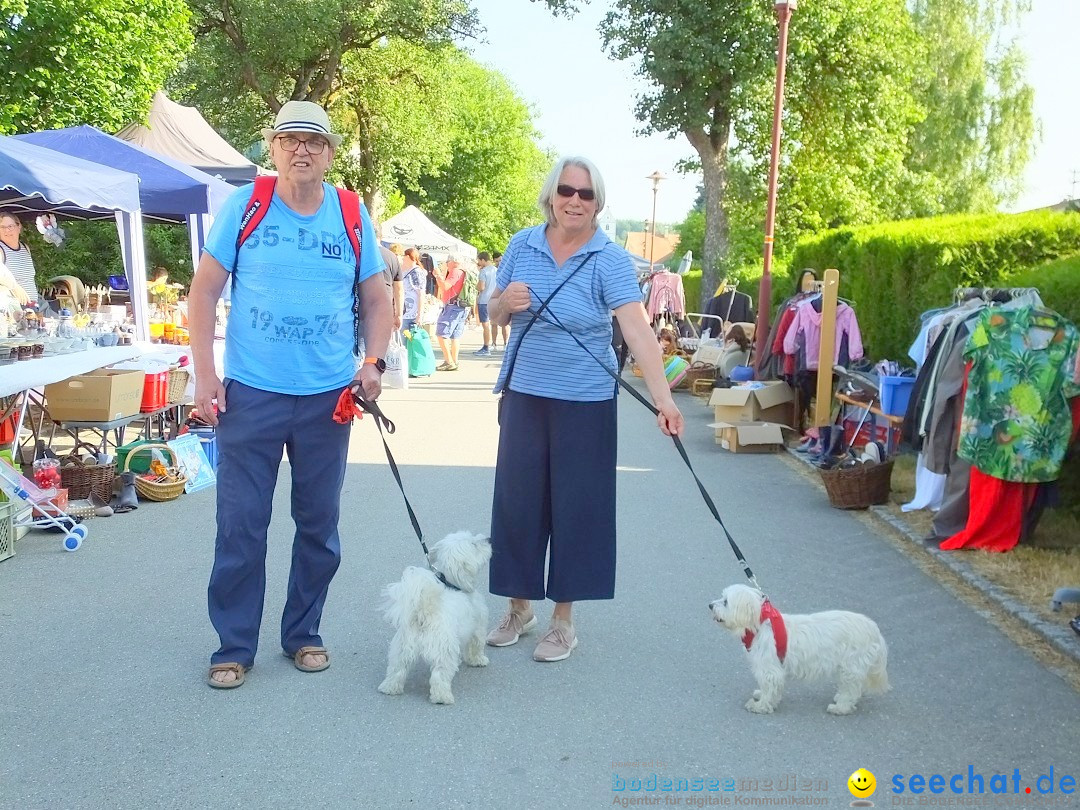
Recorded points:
(1017, 423)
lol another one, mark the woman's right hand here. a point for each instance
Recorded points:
(515, 298)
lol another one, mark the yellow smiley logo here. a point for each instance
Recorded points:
(862, 783)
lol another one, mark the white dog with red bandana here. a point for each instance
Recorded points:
(835, 644)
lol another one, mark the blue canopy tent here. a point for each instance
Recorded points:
(169, 191)
(38, 180)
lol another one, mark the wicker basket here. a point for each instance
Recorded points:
(858, 487)
(81, 479)
(178, 380)
(157, 490)
(700, 371)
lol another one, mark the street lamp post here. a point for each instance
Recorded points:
(783, 17)
(656, 177)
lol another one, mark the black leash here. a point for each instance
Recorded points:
(383, 422)
(678, 442)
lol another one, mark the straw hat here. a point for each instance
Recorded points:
(302, 116)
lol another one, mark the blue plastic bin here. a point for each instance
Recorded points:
(895, 394)
(208, 439)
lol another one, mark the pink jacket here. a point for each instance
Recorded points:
(808, 322)
(666, 294)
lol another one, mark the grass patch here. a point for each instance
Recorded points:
(1032, 571)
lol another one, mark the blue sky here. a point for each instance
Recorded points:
(584, 101)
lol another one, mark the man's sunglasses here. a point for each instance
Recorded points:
(586, 194)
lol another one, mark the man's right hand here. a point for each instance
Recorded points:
(208, 389)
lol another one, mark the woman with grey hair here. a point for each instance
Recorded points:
(555, 475)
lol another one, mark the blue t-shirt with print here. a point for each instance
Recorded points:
(549, 363)
(290, 328)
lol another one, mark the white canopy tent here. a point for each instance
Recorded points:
(411, 228)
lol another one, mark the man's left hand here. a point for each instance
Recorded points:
(369, 379)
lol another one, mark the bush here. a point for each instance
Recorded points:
(91, 252)
(895, 271)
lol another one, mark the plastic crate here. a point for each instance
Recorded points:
(895, 394)
(7, 530)
(155, 391)
(141, 462)
(208, 439)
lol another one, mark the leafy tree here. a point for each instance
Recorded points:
(979, 130)
(488, 189)
(711, 67)
(99, 62)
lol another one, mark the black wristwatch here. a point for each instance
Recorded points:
(378, 362)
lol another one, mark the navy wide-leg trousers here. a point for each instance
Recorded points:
(251, 434)
(555, 499)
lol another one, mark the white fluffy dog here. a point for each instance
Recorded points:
(435, 622)
(834, 644)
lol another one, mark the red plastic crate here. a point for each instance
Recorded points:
(155, 391)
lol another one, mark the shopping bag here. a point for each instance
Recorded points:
(421, 357)
(397, 364)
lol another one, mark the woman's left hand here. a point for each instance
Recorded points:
(670, 418)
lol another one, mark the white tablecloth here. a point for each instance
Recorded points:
(20, 376)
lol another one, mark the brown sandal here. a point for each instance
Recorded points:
(238, 669)
(298, 658)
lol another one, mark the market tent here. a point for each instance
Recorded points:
(411, 228)
(169, 191)
(182, 134)
(38, 180)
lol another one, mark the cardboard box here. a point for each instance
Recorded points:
(772, 402)
(750, 437)
(98, 396)
(59, 500)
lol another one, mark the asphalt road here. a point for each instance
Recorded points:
(104, 702)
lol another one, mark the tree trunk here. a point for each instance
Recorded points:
(712, 151)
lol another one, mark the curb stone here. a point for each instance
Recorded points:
(1061, 638)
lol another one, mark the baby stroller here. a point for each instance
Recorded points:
(44, 514)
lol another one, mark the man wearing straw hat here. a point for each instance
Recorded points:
(288, 357)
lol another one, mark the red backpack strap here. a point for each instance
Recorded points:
(350, 213)
(257, 207)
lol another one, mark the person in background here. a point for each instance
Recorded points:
(284, 380)
(392, 272)
(451, 325)
(554, 497)
(431, 294)
(16, 255)
(414, 281)
(485, 286)
(497, 330)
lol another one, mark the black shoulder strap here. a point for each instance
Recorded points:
(535, 315)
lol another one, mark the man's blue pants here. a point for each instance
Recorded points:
(250, 436)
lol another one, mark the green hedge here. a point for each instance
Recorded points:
(894, 271)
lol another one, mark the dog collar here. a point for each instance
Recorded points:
(770, 614)
(439, 575)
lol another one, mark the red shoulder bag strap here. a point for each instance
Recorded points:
(257, 207)
(350, 213)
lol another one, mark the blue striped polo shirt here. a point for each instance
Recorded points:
(549, 362)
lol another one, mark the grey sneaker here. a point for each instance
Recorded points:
(511, 628)
(557, 643)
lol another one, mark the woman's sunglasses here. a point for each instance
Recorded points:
(586, 194)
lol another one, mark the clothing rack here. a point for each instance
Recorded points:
(1000, 294)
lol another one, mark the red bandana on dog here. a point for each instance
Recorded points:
(770, 614)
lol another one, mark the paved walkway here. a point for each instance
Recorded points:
(104, 703)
